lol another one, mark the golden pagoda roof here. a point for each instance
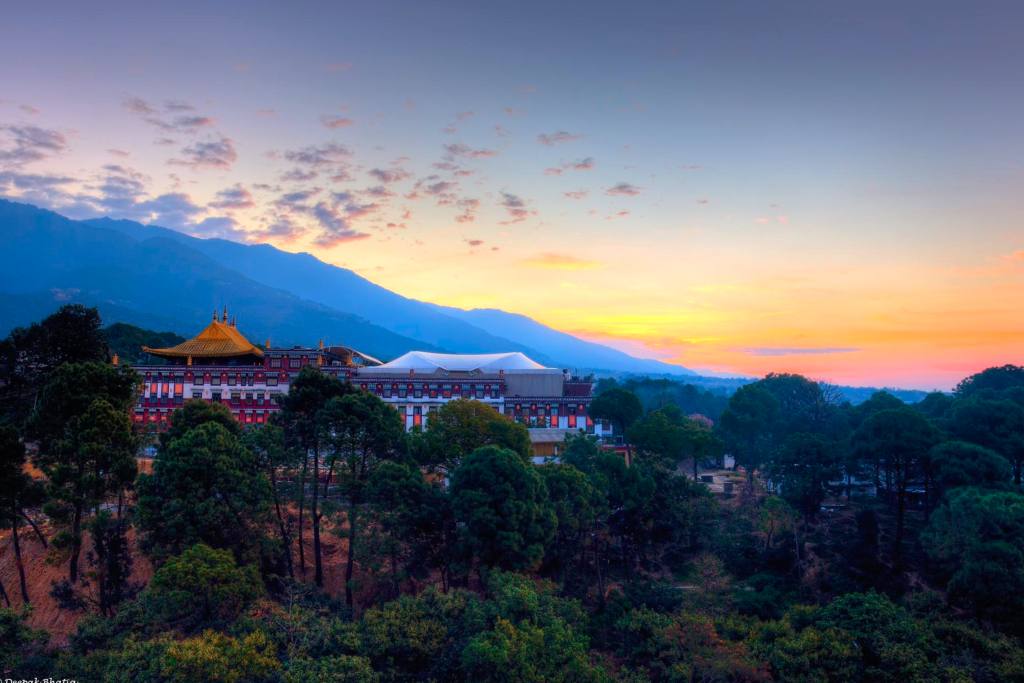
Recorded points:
(220, 339)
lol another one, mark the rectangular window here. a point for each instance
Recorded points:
(215, 396)
(178, 389)
(417, 393)
(295, 363)
(275, 362)
(215, 380)
(232, 380)
(271, 381)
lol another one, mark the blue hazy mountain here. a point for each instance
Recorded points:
(162, 279)
(158, 283)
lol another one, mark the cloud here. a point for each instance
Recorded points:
(279, 227)
(336, 229)
(215, 154)
(236, 197)
(29, 109)
(516, 208)
(171, 117)
(473, 242)
(30, 143)
(460, 150)
(578, 165)
(118, 152)
(296, 201)
(388, 176)
(557, 138)
(555, 261)
(333, 122)
(318, 156)
(177, 106)
(469, 208)
(463, 115)
(576, 194)
(623, 190)
(172, 210)
(137, 105)
(223, 227)
(32, 181)
(298, 175)
(797, 350)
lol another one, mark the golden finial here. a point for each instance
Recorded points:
(188, 361)
(115, 360)
(225, 318)
(267, 345)
(321, 346)
(234, 321)
(214, 315)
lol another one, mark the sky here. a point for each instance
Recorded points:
(835, 189)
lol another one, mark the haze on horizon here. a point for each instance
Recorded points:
(831, 190)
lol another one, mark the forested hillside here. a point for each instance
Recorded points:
(877, 542)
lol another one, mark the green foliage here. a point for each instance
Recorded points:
(18, 642)
(958, 463)
(127, 341)
(747, 425)
(976, 536)
(803, 467)
(991, 381)
(210, 656)
(336, 669)
(28, 356)
(462, 426)
(502, 504)
(996, 424)
(206, 487)
(200, 588)
(683, 647)
(197, 412)
(619, 406)
(416, 638)
(412, 524)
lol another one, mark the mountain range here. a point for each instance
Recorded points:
(162, 279)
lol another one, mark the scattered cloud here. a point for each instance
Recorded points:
(623, 190)
(171, 117)
(460, 150)
(388, 176)
(585, 164)
(319, 156)
(576, 194)
(236, 197)
(557, 138)
(516, 208)
(473, 242)
(211, 154)
(333, 122)
(469, 208)
(335, 227)
(556, 261)
(30, 143)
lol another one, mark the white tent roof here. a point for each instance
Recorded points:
(424, 361)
